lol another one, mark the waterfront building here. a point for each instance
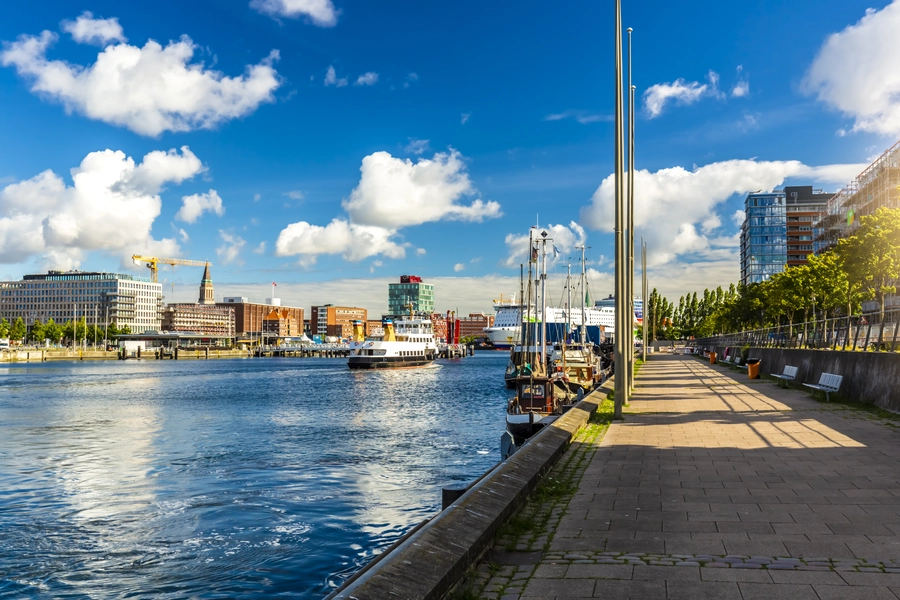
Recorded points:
(778, 230)
(474, 325)
(280, 323)
(410, 291)
(249, 316)
(205, 317)
(98, 297)
(337, 321)
(374, 327)
(877, 186)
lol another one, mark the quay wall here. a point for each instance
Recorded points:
(437, 555)
(871, 377)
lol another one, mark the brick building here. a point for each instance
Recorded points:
(249, 317)
(335, 320)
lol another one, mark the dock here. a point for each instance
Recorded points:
(713, 486)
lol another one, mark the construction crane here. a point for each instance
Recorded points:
(153, 263)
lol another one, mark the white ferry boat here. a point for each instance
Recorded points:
(406, 343)
(507, 327)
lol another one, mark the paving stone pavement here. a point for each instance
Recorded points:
(715, 486)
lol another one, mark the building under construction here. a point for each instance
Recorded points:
(877, 186)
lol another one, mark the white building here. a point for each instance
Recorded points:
(64, 295)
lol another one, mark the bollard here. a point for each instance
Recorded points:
(452, 493)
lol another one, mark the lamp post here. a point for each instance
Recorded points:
(621, 305)
(630, 226)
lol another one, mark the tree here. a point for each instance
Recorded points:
(4, 328)
(37, 332)
(17, 331)
(52, 331)
(871, 257)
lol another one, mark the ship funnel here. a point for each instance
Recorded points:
(389, 330)
(359, 333)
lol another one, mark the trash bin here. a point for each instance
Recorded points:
(712, 358)
(753, 368)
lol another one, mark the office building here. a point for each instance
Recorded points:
(249, 317)
(778, 230)
(336, 321)
(474, 324)
(410, 295)
(280, 323)
(98, 297)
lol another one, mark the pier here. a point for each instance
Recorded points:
(713, 486)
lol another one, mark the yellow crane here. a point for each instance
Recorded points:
(153, 263)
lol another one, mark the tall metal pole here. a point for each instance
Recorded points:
(630, 226)
(643, 299)
(544, 299)
(583, 296)
(621, 387)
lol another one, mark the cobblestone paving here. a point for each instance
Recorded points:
(712, 487)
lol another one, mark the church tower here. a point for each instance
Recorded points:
(207, 296)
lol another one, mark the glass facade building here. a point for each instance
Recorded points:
(410, 293)
(763, 236)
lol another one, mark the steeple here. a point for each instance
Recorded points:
(207, 295)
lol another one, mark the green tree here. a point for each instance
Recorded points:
(871, 257)
(17, 330)
(37, 332)
(52, 331)
(4, 328)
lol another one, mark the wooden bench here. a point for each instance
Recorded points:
(828, 382)
(790, 374)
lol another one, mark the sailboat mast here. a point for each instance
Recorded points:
(568, 299)
(544, 299)
(583, 296)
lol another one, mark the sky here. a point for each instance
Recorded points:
(330, 146)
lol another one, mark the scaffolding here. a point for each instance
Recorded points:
(877, 186)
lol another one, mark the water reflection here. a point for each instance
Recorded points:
(226, 478)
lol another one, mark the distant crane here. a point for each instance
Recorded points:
(153, 262)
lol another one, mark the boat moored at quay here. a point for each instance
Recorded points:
(406, 343)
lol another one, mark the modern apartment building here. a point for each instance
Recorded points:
(778, 230)
(98, 297)
(410, 294)
(335, 320)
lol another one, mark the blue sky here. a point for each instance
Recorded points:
(332, 146)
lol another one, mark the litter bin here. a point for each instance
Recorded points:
(712, 358)
(753, 368)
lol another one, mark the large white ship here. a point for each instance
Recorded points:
(507, 327)
(407, 343)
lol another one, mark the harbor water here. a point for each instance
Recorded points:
(227, 478)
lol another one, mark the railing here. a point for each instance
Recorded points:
(874, 331)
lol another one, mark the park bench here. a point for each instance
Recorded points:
(790, 374)
(738, 362)
(828, 382)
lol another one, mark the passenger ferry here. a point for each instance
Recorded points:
(507, 327)
(407, 343)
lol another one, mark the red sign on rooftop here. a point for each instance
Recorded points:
(410, 279)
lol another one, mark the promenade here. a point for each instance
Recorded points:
(715, 486)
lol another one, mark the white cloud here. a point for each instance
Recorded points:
(421, 251)
(416, 146)
(464, 117)
(409, 79)
(582, 116)
(196, 204)
(88, 30)
(565, 238)
(394, 192)
(185, 238)
(148, 90)
(110, 206)
(459, 267)
(681, 92)
(741, 89)
(375, 264)
(261, 249)
(231, 246)
(354, 242)
(738, 217)
(856, 71)
(295, 195)
(257, 197)
(370, 78)
(671, 204)
(332, 79)
(320, 12)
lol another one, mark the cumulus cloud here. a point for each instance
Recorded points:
(582, 116)
(742, 87)
(416, 146)
(681, 92)
(110, 206)
(459, 267)
(196, 204)
(421, 251)
(261, 249)
(231, 246)
(565, 238)
(370, 78)
(738, 217)
(185, 238)
(148, 90)
(88, 30)
(394, 192)
(319, 12)
(672, 203)
(856, 71)
(354, 242)
(331, 78)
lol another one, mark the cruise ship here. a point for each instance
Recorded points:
(507, 327)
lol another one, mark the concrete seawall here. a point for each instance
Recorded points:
(868, 376)
(434, 558)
